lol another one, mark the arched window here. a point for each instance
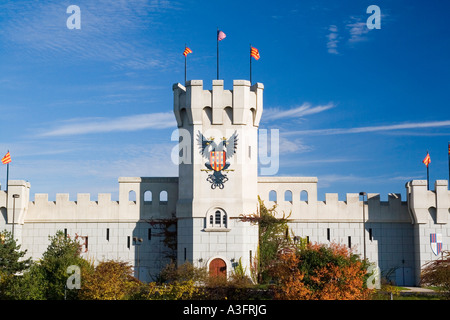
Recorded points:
(304, 195)
(148, 197)
(207, 115)
(163, 197)
(132, 196)
(217, 219)
(218, 215)
(432, 212)
(228, 115)
(288, 196)
(273, 195)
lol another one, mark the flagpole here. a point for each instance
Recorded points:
(448, 151)
(7, 182)
(428, 178)
(185, 62)
(217, 39)
(7, 176)
(250, 64)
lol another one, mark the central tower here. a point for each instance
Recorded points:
(218, 171)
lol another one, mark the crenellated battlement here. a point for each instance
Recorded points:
(242, 105)
(426, 205)
(139, 198)
(298, 196)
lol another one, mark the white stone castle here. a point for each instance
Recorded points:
(195, 217)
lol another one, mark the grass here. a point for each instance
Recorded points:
(401, 293)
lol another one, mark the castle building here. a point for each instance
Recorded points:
(195, 217)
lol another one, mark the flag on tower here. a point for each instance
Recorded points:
(187, 51)
(7, 158)
(254, 53)
(220, 35)
(427, 159)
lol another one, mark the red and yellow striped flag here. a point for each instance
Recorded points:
(6, 159)
(254, 53)
(187, 51)
(427, 159)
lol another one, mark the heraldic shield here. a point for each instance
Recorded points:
(217, 160)
(436, 243)
(217, 153)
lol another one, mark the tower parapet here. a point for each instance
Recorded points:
(245, 101)
(422, 200)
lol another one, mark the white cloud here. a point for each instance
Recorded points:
(358, 30)
(333, 131)
(39, 29)
(95, 175)
(298, 112)
(127, 123)
(289, 146)
(332, 39)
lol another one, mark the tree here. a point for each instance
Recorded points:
(60, 254)
(28, 286)
(110, 280)
(437, 273)
(14, 280)
(11, 261)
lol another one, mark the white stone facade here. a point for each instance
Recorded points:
(187, 218)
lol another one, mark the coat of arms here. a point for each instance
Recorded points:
(217, 154)
(436, 243)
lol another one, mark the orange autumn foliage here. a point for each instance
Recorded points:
(332, 273)
(292, 287)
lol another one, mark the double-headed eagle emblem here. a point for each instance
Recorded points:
(217, 154)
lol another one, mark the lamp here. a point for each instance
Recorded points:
(15, 196)
(363, 194)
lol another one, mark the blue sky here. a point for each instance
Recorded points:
(355, 107)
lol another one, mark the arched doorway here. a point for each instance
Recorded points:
(217, 268)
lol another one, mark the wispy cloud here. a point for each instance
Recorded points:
(38, 28)
(298, 112)
(289, 146)
(49, 175)
(358, 30)
(309, 162)
(403, 126)
(96, 125)
(355, 30)
(332, 40)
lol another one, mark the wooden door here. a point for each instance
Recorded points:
(218, 268)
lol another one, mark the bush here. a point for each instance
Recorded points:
(110, 280)
(320, 272)
(437, 273)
